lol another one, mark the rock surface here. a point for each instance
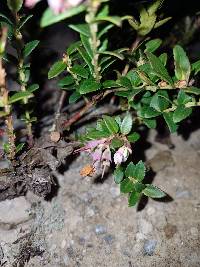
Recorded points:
(89, 224)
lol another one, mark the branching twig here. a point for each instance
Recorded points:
(22, 76)
(132, 49)
(66, 125)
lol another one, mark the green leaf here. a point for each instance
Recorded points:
(118, 120)
(192, 90)
(161, 22)
(126, 186)
(181, 113)
(29, 47)
(86, 58)
(139, 187)
(104, 30)
(134, 78)
(168, 116)
(183, 98)
(89, 86)
(6, 148)
(109, 84)
(118, 175)
(134, 137)
(163, 58)
(24, 20)
(153, 45)
(111, 124)
(150, 123)
(97, 135)
(87, 46)
(158, 68)
(81, 28)
(133, 199)
(19, 96)
(15, 5)
(56, 69)
(153, 191)
(32, 88)
(101, 126)
(74, 97)
(148, 112)
(196, 67)
(130, 170)
(107, 65)
(50, 18)
(125, 82)
(160, 101)
(73, 47)
(113, 53)
(113, 19)
(6, 19)
(116, 143)
(136, 172)
(80, 71)
(68, 80)
(19, 147)
(127, 124)
(182, 64)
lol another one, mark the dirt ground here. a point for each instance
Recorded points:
(89, 224)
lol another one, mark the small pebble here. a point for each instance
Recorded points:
(149, 247)
(55, 136)
(194, 232)
(115, 191)
(109, 239)
(63, 244)
(182, 193)
(145, 227)
(151, 211)
(100, 229)
(170, 230)
(66, 260)
(140, 236)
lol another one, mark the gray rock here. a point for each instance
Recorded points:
(180, 193)
(109, 239)
(100, 229)
(14, 211)
(1, 254)
(149, 247)
(145, 227)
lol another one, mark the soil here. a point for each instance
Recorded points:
(88, 223)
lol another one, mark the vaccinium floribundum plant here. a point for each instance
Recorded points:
(12, 27)
(139, 79)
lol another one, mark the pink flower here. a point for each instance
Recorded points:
(57, 6)
(31, 3)
(122, 155)
(94, 143)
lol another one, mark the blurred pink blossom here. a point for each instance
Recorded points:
(57, 6)
(122, 154)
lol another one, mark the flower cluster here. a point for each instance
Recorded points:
(101, 153)
(58, 6)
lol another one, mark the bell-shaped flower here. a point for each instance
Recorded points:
(57, 6)
(122, 154)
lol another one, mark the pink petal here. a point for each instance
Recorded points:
(31, 3)
(94, 143)
(118, 157)
(57, 5)
(106, 154)
(74, 2)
